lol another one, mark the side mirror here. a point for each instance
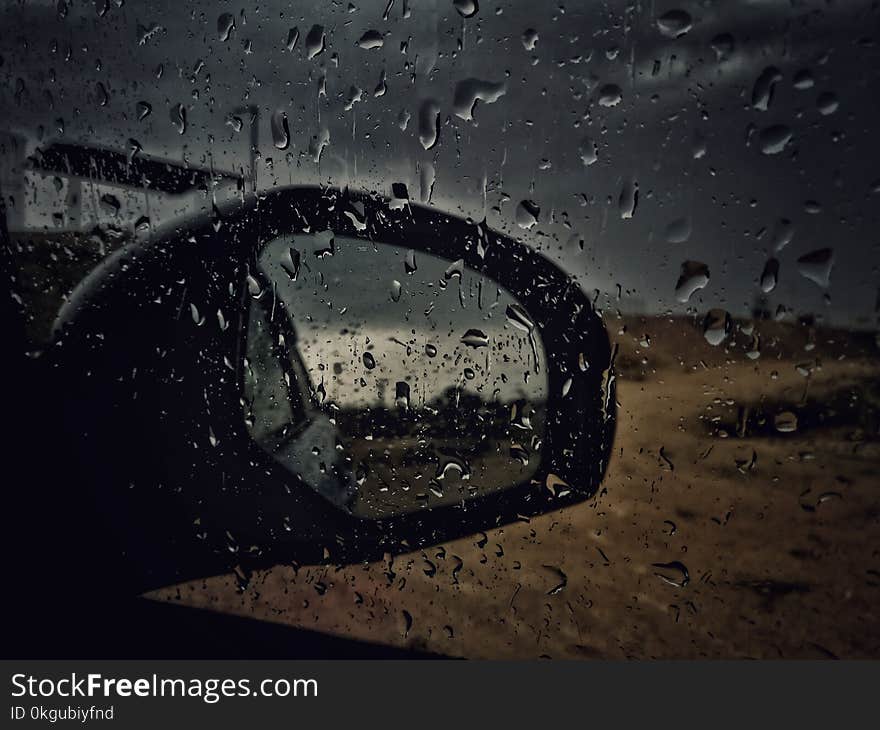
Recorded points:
(392, 382)
(318, 375)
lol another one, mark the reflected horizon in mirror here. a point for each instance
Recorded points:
(429, 379)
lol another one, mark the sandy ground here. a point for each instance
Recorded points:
(779, 532)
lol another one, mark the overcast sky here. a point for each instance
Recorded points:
(680, 129)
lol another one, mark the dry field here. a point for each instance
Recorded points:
(779, 532)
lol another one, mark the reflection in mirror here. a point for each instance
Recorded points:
(428, 380)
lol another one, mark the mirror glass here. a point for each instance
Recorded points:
(390, 380)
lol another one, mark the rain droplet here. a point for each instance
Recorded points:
(774, 138)
(454, 270)
(694, 276)
(178, 118)
(785, 422)
(254, 288)
(396, 290)
(466, 8)
(783, 233)
(371, 39)
(401, 394)
(723, 45)
(679, 230)
(318, 143)
(589, 151)
(315, 41)
(674, 24)
(765, 84)
(527, 213)
(427, 177)
(225, 26)
(827, 103)
(403, 119)
(290, 262)
(468, 91)
(769, 276)
(292, 38)
(475, 338)
(816, 266)
(610, 95)
(280, 130)
(628, 200)
(431, 350)
(143, 110)
(674, 573)
(409, 262)
(519, 318)
(716, 326)
(530, 39)
(803, 80)
(429, 121)
(369, 360)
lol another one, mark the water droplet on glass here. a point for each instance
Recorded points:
(403, 119)
(396, 290)
(369, 360)
(674, 24)
(588, 151)
(475, 338)
(785, 422)
(774, 138)
(371, 39)
(431, 350)
(803, 80)
(783, 233)
(280, 130)
(409, 262)
(530, 39)
(454, 270)
(628, 200)
(429, 120)
(723, 45)
(427, 177)
(527, 213)
(254, 288)
(292, 38)
(143, 110)
(827, 103)
(290, 262)
(674, 573)
(610, 95)
(315, 41)
(225, 26)
(716, 326)
(466, 8)
(679, 230)
(694, 276)
(468, 91)
(401, 394)
(769, 276)
(519, 318)
(178, 118)
(816, 266)
(318, 143)
(765, 84)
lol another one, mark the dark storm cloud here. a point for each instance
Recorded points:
(677, 97)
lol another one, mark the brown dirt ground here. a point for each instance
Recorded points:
(782, 548)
